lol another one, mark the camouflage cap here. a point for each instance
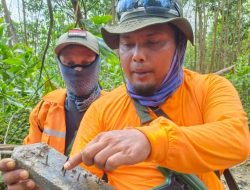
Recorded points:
(79, 37)
(136, 18)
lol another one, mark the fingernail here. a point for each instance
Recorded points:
(30, 184)
(11, 165)
(24, 174)
(66, 165)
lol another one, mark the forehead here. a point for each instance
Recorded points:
(153, 30)
(74, 48)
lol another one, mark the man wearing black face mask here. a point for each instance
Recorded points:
(79, 62)
(56, 118)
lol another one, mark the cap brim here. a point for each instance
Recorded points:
(110, 33)
(74, 42)
(89, 41)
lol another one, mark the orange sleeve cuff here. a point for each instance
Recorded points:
(157, 133)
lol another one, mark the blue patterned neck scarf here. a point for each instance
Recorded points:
(169, 85)
(81, 103)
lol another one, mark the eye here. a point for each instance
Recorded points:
(84, 63)
(71, 63)
(153, 42)
(126, 45)
(156, 43)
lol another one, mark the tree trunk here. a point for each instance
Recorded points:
(227, 52)
(249, 53)
(200, 37)
(78, 14)
(204, 34)
(24, 23)
(225, 45)
(211, 66)
(11, 28)
(221, 38)
(113, 12)
(239, 27)
(51, 24)
(196, 38)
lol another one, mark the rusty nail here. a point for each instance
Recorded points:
(78, 177)
(40, 153)
(64, 172)
(46, 161)
(63, 164)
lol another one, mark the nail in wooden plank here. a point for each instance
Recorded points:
(45, 167)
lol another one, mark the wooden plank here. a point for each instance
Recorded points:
(45, 167)
(7, 147)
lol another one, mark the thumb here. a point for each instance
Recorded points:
(73, 161)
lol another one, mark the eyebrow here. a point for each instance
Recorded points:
(124, 36)
(153, 33)
(149, 34)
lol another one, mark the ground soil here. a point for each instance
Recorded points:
(241, 174)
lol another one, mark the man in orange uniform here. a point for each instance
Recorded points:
(201, 127)
(57, 116)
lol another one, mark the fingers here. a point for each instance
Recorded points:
(89, 153)
(87, 156)
(7, 164)
(116, 148)
(112, 149)
(18, 180)
(73, 161)
(102, 157)
(23, 185)
(109, 160)
(117, 160)
(13, 177)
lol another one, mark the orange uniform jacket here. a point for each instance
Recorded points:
(208, 132)
(47, 121)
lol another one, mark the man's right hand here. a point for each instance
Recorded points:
(15, 179)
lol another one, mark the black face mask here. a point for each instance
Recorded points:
(81, 80)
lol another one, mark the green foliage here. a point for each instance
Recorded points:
(190, 57)
(2, 186)
(240, 78)
(111, 74)
(18, 69)
(101, 19)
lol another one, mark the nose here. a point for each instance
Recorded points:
(138, 54)
(77, 60)
(83, 59)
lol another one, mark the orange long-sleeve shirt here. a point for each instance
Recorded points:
(49, 115)
(48, 121)
(207, 132)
